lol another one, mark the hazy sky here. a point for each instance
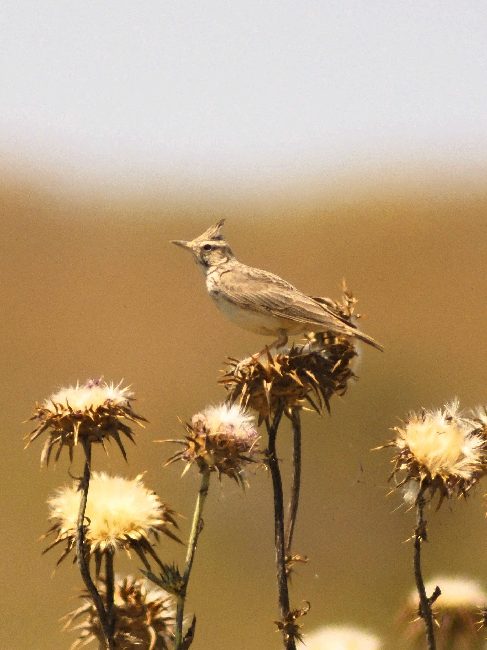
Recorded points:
(241, 89)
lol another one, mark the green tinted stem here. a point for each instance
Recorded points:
(196, 528)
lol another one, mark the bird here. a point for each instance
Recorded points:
(260, 301)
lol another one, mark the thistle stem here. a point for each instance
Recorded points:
(296, 481)
(288, 640)
(196, 528)
(81, 550)
(420, 536)
(110, 589)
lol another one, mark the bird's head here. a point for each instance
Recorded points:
(209, 249)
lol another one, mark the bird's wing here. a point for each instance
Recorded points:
(264, 292)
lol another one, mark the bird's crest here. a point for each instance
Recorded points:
(213, 232)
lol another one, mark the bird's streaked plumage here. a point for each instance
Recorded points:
(261, 301)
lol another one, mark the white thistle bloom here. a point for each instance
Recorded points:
(92, 395)
(441, 448)
(442, 441)
(220, 439)
(227, 420)
(341, 637)
(90, 413)
(121, 513)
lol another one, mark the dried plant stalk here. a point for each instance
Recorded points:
(180, 642)
(82, 552)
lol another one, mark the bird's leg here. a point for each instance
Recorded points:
(280, 342)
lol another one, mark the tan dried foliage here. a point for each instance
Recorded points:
(144, 617)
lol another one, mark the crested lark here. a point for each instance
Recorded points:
(260, 301)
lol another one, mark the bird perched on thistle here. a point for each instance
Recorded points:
(260, 301)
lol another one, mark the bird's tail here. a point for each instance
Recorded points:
(366, 339)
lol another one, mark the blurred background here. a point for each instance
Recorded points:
(338, 139)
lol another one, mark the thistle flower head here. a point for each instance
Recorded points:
(341, 637)
(144, 617)
(222, 439)
(304, 375)
(456, 612)
(439, 450)
(120, 514)
(92, 412)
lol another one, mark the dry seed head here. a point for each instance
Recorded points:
(341, 637)
(144, 617)
(120, 514)
(304, 375)
(88, 413)
(440, 450)
(222, 439)
(456, 612)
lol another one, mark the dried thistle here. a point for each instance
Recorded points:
(439, 451)
(308, 374)
(456, 613)
(221, 439)
(341, 637)
(120, 514)
(90, 413)
(144, 617)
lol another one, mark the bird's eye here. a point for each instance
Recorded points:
(207, 247)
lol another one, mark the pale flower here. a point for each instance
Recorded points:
(90, 396)
(440, 450)
(93, 412)
(220, 439)
(341, 637)
(230, 421)
(121, 514)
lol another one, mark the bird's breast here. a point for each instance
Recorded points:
(253, 321)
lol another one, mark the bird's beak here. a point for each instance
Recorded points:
(181, 243)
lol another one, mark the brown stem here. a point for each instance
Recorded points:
(196, 529)
(288, 640)
(420, 536)
(82, 552)
(296, 483)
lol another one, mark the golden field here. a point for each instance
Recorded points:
(91, 287)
